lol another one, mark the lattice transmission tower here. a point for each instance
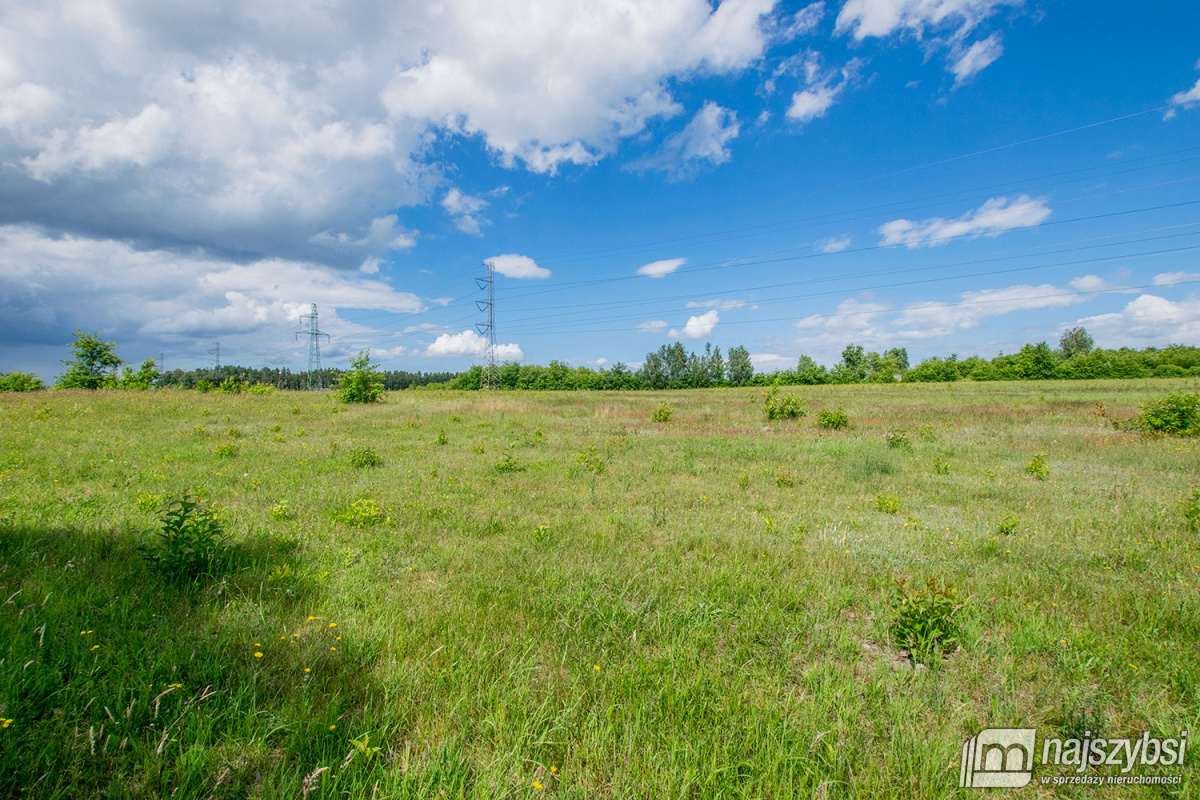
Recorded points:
(314, 334)
(488, 329)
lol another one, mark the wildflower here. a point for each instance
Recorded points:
(596, 667)
(6, 723)
(333, 624)
(553, 768)
(332, 727)
(95, 646)
(307, 669)
(258, 655)
(538, 786)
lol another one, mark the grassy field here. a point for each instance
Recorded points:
(553, 595)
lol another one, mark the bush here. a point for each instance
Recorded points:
(898, 440)
(232, 386)
(361, 457)
(590, 460)
(21, 382)
(1037, 467)
(507, 463)
(261, 389)
(363, 383)
(188, 544)
(789, 406)
(662, 413)
(927, 620)
(1177, 414)
(832, 420)
(361, 514)
(226, 451)
(887, 503)
(1008, 525)
(204, 385)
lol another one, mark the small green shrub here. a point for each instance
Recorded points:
(295, 409)
(941, 466)
(662, 413)
(148, 502)
(363, 513)
(276, 428)
(234, 432)
(784, 480)
(789, 406)
(233, 386)
(362, 457)
(189, 543)
(203, 385)
(281, 511)
(200, 432)
(744, 480)
(441, 438)
(455, 418)
(1007, 525)
(1177, 414)
(926, 433)
(1037, 467)
(362, 383)
(261, 389)
(927, 620)
(507, 463)
(887, 503)
(835, 420)
(898, 439)
(591, 460)
(226, 450)
(538, 435)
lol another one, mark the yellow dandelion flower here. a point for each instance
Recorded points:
(333, 648)
(307, 669)
(333, 727)
(553, 768)
(538, 786)
(596, 667)
(333, 624)
(258, 655)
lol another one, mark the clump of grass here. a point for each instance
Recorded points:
(926, 433)
(200, 432)
(784, 480)
(363, 457)
(898, 440)
(941, 466)
(539, 435)
(662, 413)
(281, 511)
(867, 465)
(441, 438)
(234, 432)
(1037, 467)
(363, 513)
(1007, 525)
(887, 503)
(835, 420)
(189, 542)
(276, 428)
(743, 480)
(295, 409)
(148, 502)
(226, 451)
(455, 418)
(1189, 509)
(1177, 414)
(927, 620)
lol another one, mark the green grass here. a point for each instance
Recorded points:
(624, 609)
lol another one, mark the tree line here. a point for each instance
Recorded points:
(672, 366)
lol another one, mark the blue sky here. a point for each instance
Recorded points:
(944, 175)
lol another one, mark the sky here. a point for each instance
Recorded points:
(949, 176)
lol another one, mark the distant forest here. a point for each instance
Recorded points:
(669, 367)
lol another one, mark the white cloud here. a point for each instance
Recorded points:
(660, 269)
(942, 24)
(544, 89)
(704, 142)
(976, 58)
(470, 343)
(991, 219)
(720, 305)
(697, 327)
(652, 326)
(1148, 320)
(835, 244)
(811, 104)
(515, 266)
(822, 87)
(934, 319)
(1189, 98)
(771, 362)
(1094, 283)
(464, 209)
(1172, 278)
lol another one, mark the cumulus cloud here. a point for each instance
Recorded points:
(991, 219)
(266, 129)
(822, 87)
(515, 266)
(703, 143)
(470, 343)
(697, 327)
(1145, 321)
(652, 326)
(465, 210)
(1094, 283)
(1186, 99)
(660, 269)
(934, 319)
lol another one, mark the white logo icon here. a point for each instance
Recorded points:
(998, 758)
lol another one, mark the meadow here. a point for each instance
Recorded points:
(528, 594)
